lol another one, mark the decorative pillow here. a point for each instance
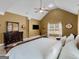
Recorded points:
(54, 51)
(70, 38)
(69, 51)
(77, 41)
(77, 38)
(77, 44)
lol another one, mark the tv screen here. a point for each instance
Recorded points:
(35, 26)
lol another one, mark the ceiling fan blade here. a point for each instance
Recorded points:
(36, 8)
(46, 10)
(36, 11)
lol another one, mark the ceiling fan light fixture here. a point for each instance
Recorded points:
(41, 11)
(51, 5)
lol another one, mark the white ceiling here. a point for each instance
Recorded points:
(26, 7)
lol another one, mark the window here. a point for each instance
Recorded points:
(55, 29)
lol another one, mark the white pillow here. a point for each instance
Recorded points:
(54, 51)
(69, 51)
(70, 38)
(77, 38)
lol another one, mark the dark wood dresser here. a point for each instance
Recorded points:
(12, 37)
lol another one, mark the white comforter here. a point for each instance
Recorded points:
(69, 51)
(32, 50)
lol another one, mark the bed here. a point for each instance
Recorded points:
(70, 50)
(36, 49)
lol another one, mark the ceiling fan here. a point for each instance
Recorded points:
(41, 9)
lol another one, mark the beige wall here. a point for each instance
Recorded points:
(31, 31)
(14, 18)
(58, 15)
(78, 22)
(54, 16)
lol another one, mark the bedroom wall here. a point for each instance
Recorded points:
(78, 22)
(14, 18)
(58, 15)
(33, 32)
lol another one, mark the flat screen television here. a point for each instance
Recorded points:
(35, 26)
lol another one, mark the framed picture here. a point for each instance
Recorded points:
(68, 26)
(12, 26)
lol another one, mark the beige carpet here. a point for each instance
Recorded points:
(2, 51)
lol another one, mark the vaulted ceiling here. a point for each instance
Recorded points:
(26, 7)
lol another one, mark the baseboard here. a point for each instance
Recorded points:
(30, 38)
(34, 37)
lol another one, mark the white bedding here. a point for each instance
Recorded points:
(54, 51)
(69, 51)
(32, 50)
